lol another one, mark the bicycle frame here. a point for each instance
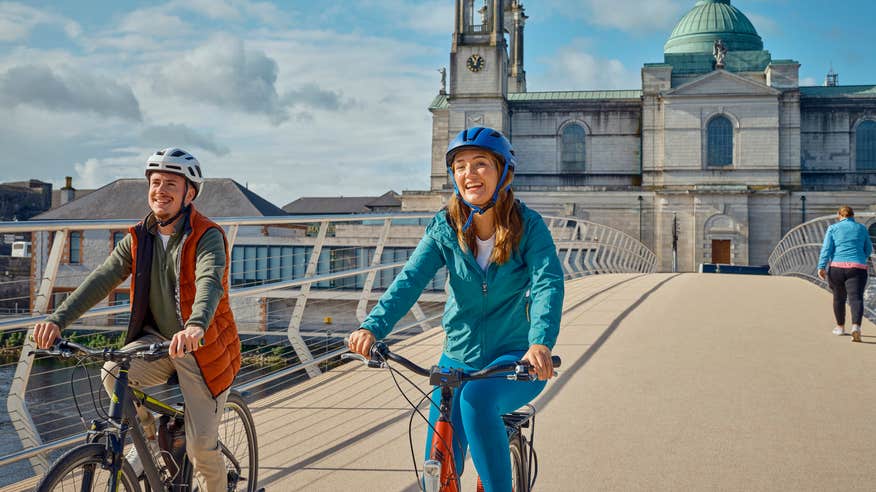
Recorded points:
(123, 412)
(439, 471)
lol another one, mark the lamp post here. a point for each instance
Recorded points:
(639, 198)
(802, 208)
(674, 242)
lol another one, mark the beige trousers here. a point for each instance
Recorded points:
(202, 413)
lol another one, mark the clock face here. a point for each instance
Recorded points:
(475, 62)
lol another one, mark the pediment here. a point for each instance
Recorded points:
(721, 82)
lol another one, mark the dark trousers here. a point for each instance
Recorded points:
(847, 283)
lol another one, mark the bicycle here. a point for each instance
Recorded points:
(439, 471)
(100, 461)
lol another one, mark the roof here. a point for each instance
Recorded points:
(848, 91)
(342, 204)
(56, 196)
(709, 21)
(441, 101)
(126, 199)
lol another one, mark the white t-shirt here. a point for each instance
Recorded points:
(164, 239)
(485, 249)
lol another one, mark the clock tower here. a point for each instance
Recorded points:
(479, 66)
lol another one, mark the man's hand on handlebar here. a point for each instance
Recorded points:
(539, 357)
(45, 333)
(361, 341)
(185, 341)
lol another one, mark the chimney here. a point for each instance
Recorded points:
(68, 193)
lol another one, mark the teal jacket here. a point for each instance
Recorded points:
(845, 241)
(488, 313)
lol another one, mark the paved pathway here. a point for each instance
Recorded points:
(670, 382)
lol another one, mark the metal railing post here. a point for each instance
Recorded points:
(362, 307)
(294, 330)
(19, 415)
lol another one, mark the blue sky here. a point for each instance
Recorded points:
(300, 98)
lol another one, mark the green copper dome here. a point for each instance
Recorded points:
(709, 21)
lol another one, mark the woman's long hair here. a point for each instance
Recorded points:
(509, 223)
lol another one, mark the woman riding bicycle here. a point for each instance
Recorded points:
(505, 298)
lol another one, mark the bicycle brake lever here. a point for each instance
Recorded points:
(361, 358)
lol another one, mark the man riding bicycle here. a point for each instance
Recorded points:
(178, 262)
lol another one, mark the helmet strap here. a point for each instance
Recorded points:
(475, 210)
(182, 209)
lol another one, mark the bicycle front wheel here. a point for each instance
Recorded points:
(519, 467)
(81, 469)
(239, 445)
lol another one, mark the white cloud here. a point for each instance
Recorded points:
(808, 81)
(223, 72)
(94, 173)
(153, 22)
(425, 16)
(352, 106)
(176, 135)
(231, 10)
(633, 16)
(18, 20)
(573, 68)
(67, 89)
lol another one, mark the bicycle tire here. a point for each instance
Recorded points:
(519, 467)
(243, 448)
(79, 462)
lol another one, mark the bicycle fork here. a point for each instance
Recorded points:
(439, 472)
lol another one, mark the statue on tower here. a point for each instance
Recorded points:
(483, 12)
(443, 72)
(719, 51)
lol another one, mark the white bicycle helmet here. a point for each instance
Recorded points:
(177, 161)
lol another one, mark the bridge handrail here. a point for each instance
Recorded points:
(797, 254)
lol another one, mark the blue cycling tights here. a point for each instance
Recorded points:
(476, 417)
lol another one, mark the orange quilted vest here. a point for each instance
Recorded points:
(219, 356)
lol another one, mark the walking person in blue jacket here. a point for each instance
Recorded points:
(847, 248)
(504, 302)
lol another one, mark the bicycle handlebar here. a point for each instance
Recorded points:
(441, 376)
(68, 348)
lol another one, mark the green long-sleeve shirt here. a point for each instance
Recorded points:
(209, 268)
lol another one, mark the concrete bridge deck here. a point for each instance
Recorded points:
(670, 382)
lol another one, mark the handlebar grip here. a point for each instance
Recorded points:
(556, 361)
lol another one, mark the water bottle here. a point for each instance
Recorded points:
(172, 441)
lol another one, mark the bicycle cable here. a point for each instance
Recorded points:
(393, 371)
(533, 456)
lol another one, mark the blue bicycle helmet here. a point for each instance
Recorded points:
(481, 138)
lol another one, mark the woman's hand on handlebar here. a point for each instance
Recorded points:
(45, 334)
(361, 341)
(539, 357)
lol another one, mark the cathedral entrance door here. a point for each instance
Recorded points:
(721, 251)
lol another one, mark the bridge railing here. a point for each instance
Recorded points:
(798, 252)
(300, 284)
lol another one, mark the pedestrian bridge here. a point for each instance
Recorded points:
(669, 382)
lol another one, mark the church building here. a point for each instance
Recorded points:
(712, 160)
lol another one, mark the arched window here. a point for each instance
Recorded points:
(865, 145)
(573, 155)
(720, 142)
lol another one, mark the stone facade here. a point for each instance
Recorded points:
(646, 162)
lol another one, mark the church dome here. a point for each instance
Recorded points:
(708, 21)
